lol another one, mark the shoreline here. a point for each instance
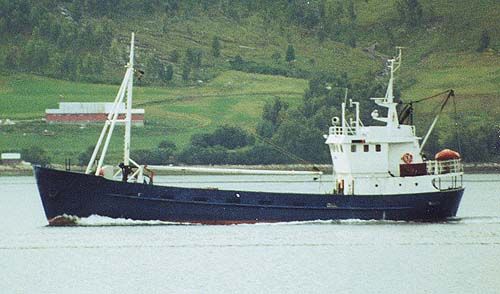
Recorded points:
(469, 168)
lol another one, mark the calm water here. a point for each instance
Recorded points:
(120, 256)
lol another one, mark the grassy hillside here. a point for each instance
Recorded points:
(171, 113)
(442, 54)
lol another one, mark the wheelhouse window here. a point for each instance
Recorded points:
(353, 148)
(378, 148)
(337, 148)
(366, 148)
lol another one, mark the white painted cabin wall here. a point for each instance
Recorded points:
(401, 185)
(396, 152)
(360, 162)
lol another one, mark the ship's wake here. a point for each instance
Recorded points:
(103, 221)
(475, 220)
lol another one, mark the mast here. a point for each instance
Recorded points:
(113, 118)
(388, 101)
(128, 118)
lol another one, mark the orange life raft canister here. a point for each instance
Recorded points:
(447, 154)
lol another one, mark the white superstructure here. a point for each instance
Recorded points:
(375, 160)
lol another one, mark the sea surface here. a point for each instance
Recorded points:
(103, 255)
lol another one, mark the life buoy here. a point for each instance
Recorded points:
(407, 158)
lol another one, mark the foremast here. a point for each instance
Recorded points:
(128, 117)
(95, 164)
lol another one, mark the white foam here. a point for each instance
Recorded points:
(97, 220)
(334, 222)
(477, 220)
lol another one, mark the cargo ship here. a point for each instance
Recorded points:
(379, 173)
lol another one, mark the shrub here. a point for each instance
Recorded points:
(36, 155)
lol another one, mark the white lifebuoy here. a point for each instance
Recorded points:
(407, 158)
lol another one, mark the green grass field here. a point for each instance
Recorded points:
(475, 78)
(171, 113)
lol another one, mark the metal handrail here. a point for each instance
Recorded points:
(336, 130)
(439, 167)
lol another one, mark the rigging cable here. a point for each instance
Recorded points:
(457, 133)
(282, 150)
(450, 92)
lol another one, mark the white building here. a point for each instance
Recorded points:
(89, 112)
(11, 158)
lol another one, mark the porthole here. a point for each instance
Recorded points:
(416, 184)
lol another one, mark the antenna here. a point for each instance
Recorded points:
(397, 59)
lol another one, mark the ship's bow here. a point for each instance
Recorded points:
(62, 193)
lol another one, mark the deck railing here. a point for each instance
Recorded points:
(338, 130)
(438, 167)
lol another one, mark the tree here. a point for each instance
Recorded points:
(186, 70)
(84, 157)
(115, 51)
(237, 62)
(162, 73)
(263, 154)
(307, 143)
(36, 155)
(290, 53)
(169, 74)
(68, 66)
(321, 34)
(484, 41)
(351, 11)
(271, 111)
(216, 47)
(265, 129)
(410, 13)
(35, 56)
(204, 155)
(276, 56)
(167, 144)
(151, 156)
(174, 56)
(352, 41)
(229, 137)
(193, 57)
(479, 139)
(155, 68)
(11, 58)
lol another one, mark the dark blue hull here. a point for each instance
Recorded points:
(81, 195)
